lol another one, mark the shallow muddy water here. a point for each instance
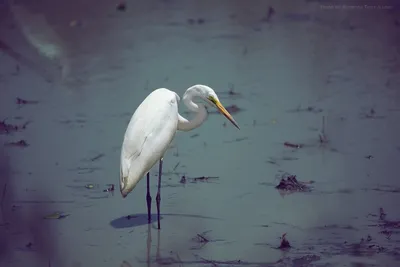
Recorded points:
(314, 87)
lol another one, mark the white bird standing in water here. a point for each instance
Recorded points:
(151, 130)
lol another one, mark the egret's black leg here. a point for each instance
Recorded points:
(158, 198)
(148, 198)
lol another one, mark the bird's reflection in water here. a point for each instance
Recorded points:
(149, 239)
(149, 244)
(159, 260)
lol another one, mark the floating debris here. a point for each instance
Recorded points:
(21, 101)
(20, 143)
(388, 227)
(371, 114)
(8, 128)
(284, 243)
(201, 239)
(110, 188)
(293, 145)
(184, 179)
(89, 186)
(56, 216)
(291, 184)
(99, 156)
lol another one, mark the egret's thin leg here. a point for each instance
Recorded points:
(158, 198)
(148, 198)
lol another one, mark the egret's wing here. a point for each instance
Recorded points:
(149, 133)
(134, 141)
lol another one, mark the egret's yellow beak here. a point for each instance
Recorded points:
(225, 112)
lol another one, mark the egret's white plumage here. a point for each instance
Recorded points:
(152, 128)
(156, 117)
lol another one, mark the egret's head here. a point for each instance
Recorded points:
(209, 95)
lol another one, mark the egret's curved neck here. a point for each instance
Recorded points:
(201, 112)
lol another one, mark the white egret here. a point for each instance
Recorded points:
(151, 130)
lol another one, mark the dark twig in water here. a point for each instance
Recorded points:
(292, 145)
(203, 178)
(275, 161)
(237, 140)
(387, 226)
(176, 166)
(99, 156)
(20, 143)
(291, 184)
(21, 101)
(110, 188)
(371, 114)
(184, 179)
(202, 239)
(7, 128)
